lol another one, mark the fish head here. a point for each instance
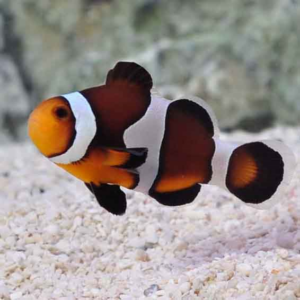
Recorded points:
(51, 126)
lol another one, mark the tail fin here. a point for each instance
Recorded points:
(259, 172)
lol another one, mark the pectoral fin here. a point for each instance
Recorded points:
(127, 158)
(109, 197)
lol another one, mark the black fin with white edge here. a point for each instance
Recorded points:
(131, 73)
(109, 197)
(176, 198)
(137, 157)
(259, 172)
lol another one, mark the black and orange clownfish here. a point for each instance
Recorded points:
(121, 135)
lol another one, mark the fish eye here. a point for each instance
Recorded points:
(61, 112)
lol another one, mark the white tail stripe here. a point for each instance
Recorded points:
(220, 162)
(85, 126)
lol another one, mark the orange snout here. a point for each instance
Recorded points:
(51, 126)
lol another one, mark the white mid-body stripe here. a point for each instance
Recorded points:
(149, 132)
(85, 126)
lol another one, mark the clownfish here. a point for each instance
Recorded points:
(121, 135)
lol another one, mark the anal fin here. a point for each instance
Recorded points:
(176, 198)
(109, 197)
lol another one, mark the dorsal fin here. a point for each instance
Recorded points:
(121, 102)
(129, 72)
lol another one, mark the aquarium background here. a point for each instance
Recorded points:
(241, 56)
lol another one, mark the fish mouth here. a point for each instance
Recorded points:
(33, 121)
(35, 129)
(35, 124)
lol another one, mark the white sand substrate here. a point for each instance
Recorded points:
(56, 242)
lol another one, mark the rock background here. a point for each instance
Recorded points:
(242, 56)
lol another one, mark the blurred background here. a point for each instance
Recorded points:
(241, 56)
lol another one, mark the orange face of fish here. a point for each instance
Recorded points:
(51, 126)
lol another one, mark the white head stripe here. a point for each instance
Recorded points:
(85, 125)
